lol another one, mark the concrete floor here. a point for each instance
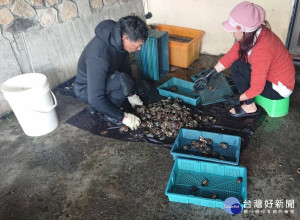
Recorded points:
(72, 174)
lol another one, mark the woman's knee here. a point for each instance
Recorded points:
(240, 71)
(235, 68)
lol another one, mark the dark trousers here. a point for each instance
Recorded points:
(118, 87)
(241, 76)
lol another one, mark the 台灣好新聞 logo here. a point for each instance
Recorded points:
(232, 206)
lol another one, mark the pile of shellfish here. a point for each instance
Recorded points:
(204, 146)
(165, 118)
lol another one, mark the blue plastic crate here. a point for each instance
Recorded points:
(216, 90)
(184, 91)
(221, 181)
(153, 58)
(186, 136)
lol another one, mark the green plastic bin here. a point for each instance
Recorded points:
(274, 108)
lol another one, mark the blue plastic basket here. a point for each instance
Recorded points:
(153, 58)
(184, 91)
(222, 182)
(186, 136)
(216, 90)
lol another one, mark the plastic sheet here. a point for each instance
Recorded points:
(225, 124)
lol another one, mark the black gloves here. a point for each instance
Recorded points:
(232, 101)
(202, 81)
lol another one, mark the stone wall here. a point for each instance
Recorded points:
(19, 15)
(47, 36)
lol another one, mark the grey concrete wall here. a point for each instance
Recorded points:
(8, 68)
(54, 50)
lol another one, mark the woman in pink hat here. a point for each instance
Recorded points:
(260, 63)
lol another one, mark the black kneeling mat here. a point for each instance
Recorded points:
(95, 124)
(216, 120)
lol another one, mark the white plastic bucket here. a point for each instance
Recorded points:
(33, 103)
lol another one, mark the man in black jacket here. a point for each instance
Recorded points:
(103, 69)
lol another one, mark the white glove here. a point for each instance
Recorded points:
(135, 100)
(131, 121)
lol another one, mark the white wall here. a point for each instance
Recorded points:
(207, 15)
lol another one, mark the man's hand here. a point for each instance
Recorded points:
(132, 121)
(232, 101)
(135, 100)
(202, 81)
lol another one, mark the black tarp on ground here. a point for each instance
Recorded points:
(225, 124)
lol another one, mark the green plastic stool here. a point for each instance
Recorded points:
(274, 108)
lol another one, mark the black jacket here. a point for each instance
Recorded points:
(103, 55)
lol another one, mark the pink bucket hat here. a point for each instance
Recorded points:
(245, 17)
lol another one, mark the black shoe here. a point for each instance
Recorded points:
(91, 110)
(112, 120)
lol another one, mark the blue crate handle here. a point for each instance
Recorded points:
(197, 75)
(172, 179)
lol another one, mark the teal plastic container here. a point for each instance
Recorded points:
(185, 136)
(153, 59)
(187, 176)
(184, 91)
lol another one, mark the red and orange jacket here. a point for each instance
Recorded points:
(269, 59)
